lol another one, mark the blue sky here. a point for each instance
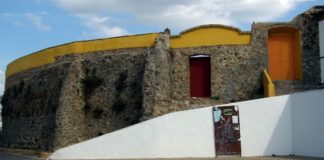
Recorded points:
(31, 25)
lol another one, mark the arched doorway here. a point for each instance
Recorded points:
(284, 53)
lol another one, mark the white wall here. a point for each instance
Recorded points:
(322, 69)
(283, 125)
(179, 134)
(265, 127)
(321, 43)
(308, 123)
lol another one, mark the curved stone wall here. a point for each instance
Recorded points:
(77, 97)
(70, 93)
(49, 55)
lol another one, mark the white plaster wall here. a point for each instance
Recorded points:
(265, 126)
(277, 125)
(180, 134)
(308, 123)
(321, 42)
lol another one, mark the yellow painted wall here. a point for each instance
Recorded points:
(210, 36)
(195, 37)
(47, 56)
(268, 86)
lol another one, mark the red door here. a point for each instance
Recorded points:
(200, 77)
(227, 130)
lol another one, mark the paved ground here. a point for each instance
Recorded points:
(10, 156)
(244, 158)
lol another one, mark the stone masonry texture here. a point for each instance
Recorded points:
(81, 96)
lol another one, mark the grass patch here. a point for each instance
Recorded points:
(215, 97)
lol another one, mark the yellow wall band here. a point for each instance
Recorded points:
(268, 86)
(47, 56)
(206, 35)
(210, 35)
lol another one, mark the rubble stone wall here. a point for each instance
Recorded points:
(29, 107)
(76, 98)
(235, 72)
(307, 24)
(81, 96)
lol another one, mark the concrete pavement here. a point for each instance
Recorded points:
(246, 158)
(11, 156)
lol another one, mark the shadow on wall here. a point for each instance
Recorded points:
(280, 140)
(265, 126)
(283, 125)
(308, 123)
(302, 120)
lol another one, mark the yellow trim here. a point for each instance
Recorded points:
(298, 59)
(210, 35)
(269, 88)
(47, 56)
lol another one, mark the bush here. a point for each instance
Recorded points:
(215, 97)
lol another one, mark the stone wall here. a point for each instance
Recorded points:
(307, 24)
(157, 77)
(112, 93)
(29, 107)
(235, 72)
(106, 95)
(74, 99)
(82, 96)
(70, 118)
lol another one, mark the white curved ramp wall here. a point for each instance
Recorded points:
(175, 135)
(282, 125)
(308, 123)
(265, 126)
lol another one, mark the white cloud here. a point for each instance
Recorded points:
(99, 26)
(2, 82)
(180, 14)
(37, 21)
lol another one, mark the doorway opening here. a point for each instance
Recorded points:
(200, 76)
(227, 131)
(284, 53)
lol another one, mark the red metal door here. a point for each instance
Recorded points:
(227, 130)
(200, 77)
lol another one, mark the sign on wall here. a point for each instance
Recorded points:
(227, 130)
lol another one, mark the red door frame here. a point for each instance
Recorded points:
(200, 76)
